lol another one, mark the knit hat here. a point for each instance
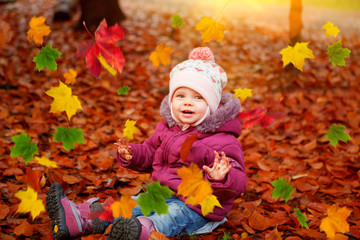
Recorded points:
(201, 74)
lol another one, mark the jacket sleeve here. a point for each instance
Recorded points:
(235, 181)
(143, 154)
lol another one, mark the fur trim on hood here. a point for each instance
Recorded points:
(229, 107)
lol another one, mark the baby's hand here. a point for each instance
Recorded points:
(220, 168)
(124, 149)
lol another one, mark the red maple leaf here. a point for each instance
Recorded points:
(103, 44)
(106, 214)
(257, 116)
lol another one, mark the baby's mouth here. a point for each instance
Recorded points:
(187, 112)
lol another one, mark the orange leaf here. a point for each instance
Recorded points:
(123, 207)
(25, 229)
(38, 29)
(33, 178)
(258, 221)
(161, 55)
(186, 146)
(157, 236)
(335, 222)
(70, 76)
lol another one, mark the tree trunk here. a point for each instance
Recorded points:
(295, 21)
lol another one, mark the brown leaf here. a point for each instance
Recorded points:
(71, 179)
(273, 235)
(4, 210)
(25, 229)
(258, 221)
(157, 236)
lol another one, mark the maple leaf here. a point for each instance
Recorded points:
(130, 129)
(338, 54)
(186, 146)
(38, 29)
(336, 133)
(70, 76)
(335, 221)
(104, 44)
(210, 29)
(243, 93)
(296, 55)
(330, 29)
(106, 214)
(282, 189)
(258, 115)
(46, 162)
(301, 218)
(161, 55)
(154, 199)
(63, 100)
(47, 58)
(123, 90)
(209, 203)
(177, 21)
(23, 147)
(29, 202)
(123, 207)
(68, 136)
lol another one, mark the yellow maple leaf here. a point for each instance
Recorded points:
(70, 76)
(243, 93)
(161, 55)
(296, 55)
(335, 221)
(330, 29)
(29, 202)
(130, 129)
(38, 29)
(210, 29)
(63, 100)
(208, 205)
(46, 162)
(123, 207)
(103, 62)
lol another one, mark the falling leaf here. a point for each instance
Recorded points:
(301, 218)
(6, 34)
(47, 58)
(296, 55)
(130, 129)
(29, 202)
(104, 44)
(23, 147)
(103, 62)
(335, 222)
(196, 189)
(123, 207)
(154, 199)
(25, 229)
(161, 55)
(186, 146)
(210, 29)
(123, 90)
(70, 76)
(330, 29)
(106, 214)
(338, 54)
(46, 162)
(68, 136)
(38, 29)
(336, 133)
(243, 93)
(63, 100)
(282, 189)
(177, 21)
(33, 178)
(258, 115)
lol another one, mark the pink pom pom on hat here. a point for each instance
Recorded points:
(199, 73)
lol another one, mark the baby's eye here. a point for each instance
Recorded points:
(198, 97)
(180, 96)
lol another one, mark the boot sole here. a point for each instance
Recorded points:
(56, 212)
(125, 229)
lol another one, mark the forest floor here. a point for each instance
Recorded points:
(294, 147)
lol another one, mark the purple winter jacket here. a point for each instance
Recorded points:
(160, 153)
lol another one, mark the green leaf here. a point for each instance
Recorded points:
(177, 21)
(154, 199)
(301, 218)
(124, 90)
(68, 137)
(47, 58)
(337, 133)
(23, 147)
(282, 189)
(338, 53)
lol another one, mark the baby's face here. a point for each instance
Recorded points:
(188, 106)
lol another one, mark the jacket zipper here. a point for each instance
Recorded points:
(165, 155)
